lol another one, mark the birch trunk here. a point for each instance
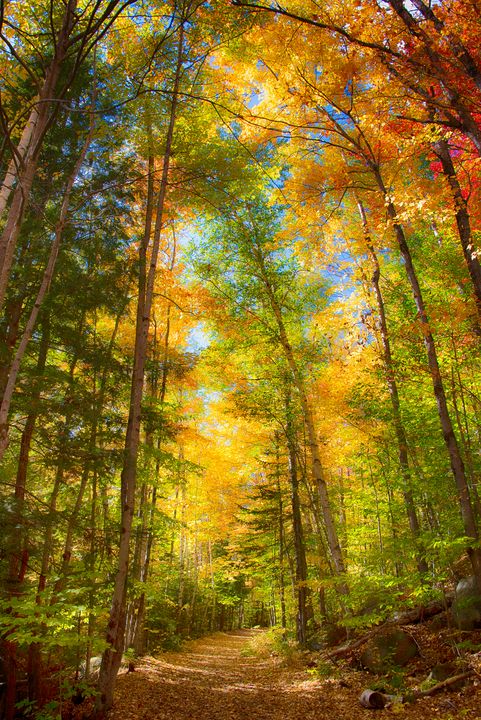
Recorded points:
(15, 164)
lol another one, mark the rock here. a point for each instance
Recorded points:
(467, 604)
(388, 649)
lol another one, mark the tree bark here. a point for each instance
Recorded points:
(457, 465)
(304, 604)
(463, 222)
(42, 292)
(17, 161)
(391, 380)
(115, 633)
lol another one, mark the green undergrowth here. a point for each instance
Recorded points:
(274, 642)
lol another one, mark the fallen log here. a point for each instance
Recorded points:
(408, 617)
(440, 686)
(424, 612)
(374, 700)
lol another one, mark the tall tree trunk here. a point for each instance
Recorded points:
(115, 633)
(42, 292)
(137, 639)
(457, 465)
(282, 593)
(391, 380)
(463, 222)
(304, 604)
(317, 471)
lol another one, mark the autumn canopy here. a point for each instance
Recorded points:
(240, 323)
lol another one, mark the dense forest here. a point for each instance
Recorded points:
(240, 322)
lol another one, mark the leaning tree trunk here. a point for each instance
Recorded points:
(463, 221)
(116, 627)
(42, 292)
(457, 464)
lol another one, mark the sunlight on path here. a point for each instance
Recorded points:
(211, 679)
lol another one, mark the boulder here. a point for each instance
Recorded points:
(467, 604)
(392, 648)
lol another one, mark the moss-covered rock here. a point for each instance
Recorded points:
(392, 648)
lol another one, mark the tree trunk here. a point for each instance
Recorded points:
(115, 633)
(304, 605)
(390, 374)
(457, 465)
(463, 222)
(317, 472)
(42, 292)
(15, 164)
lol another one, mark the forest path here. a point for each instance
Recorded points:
(212, 679)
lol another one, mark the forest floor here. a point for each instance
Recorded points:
(214, 679)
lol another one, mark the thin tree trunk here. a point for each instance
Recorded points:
(42, 292)
(457, 465)
(390, 374)
(282, 593)
(463, 222)
(115, 633)
(304, 605)
(317, 471)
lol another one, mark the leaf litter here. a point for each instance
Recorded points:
(214, 679)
